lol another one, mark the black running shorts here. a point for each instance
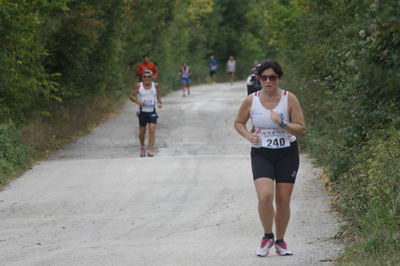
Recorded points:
(279, 164)
(147, 117)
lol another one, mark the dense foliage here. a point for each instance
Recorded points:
(56, 51)
(341, 58)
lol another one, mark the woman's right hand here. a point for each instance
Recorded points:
(255, 137)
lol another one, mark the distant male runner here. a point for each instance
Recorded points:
(213, 64)
(149, 97)
(186, 76)
(146, 64)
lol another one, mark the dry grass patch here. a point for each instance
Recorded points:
(74, 119)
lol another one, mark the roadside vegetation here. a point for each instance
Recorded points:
(67, 64)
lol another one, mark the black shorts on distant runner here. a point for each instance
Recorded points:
(279, 164)
(212, 72)
(147, 117)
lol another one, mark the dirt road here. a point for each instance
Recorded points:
(98, 203)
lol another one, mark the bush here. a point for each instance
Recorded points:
(13, 155)
(378, 238)
(369, 199)
(375, 179)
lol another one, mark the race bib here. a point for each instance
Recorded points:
(148, 105)
(274, 138)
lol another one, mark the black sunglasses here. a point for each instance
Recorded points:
(270, 77)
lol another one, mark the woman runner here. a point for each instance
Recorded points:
(277, 119)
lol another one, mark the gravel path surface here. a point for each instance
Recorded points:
(97, 203)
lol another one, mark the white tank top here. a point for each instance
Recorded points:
(271, 135)
(231, 65)
(185, 72)
(149, 97)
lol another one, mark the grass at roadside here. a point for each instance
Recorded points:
(368, 199)
(375, 242)
(21, 147)
(370, 238)
(15, 158)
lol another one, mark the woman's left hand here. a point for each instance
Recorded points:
(275, 117)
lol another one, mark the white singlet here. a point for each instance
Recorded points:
(185, 72)
(149, 97)
(231, 65)
(271, 135)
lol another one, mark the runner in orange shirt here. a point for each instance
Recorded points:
(146, 64)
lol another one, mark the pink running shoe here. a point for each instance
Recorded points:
(263, 249)
(282, 250)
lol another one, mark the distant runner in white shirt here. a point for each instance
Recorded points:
(149, 99)
(231, 68)
(186, 76)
